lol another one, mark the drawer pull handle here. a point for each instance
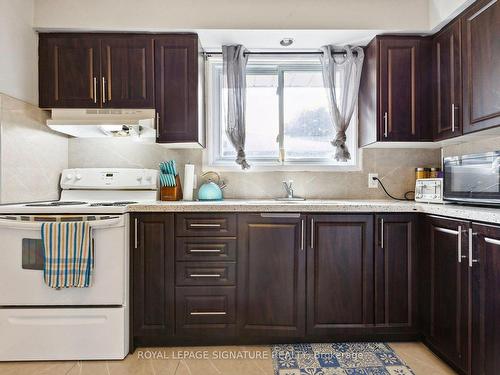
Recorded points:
(205, 250)
(204, 225)
(208, 313)
(215, 275)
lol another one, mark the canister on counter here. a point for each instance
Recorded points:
(435, 173)
(422, 173)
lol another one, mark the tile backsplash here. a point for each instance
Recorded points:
(32, 156)
(473, 147)
(394, 166)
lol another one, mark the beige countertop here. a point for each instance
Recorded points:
(473, 213)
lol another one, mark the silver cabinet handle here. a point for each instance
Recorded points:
(103, 90)
(302, 235)
(135, 233)
(459, 244)
(208, 313)
(312, 233)
(471, 260)
(204, 225)
(214, 275)
(385, 124)
(381, 233)
(157, 125)
(95, 90)
(281, 216)
(205, 250)
(453, 118)
(492, 241)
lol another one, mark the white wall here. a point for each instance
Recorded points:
(232, 14)
(18, 50)
(442, 11)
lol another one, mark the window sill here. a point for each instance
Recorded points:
(233, 167)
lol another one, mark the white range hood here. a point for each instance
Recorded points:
(97, 123)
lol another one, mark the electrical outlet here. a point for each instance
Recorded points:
(372, 184)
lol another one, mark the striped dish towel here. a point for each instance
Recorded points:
(68, 254)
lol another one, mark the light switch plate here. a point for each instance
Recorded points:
(372, 184)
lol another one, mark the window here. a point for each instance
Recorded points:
(287, 118)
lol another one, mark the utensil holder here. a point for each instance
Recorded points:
(172, 193)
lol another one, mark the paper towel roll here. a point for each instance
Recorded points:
(188, 182)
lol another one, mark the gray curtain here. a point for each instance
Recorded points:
(235, 62)
(341, 76)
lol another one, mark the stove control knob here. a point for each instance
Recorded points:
(78, 176)
(69, 176)
(139, 179)
(149, 178)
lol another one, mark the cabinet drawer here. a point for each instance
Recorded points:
(205, 273)
(197, 224)
(210, 310)
(205, 248)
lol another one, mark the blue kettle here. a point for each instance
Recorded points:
(211, 191)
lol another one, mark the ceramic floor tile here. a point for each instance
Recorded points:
(179, 361)
(420, 359)
(36, 368)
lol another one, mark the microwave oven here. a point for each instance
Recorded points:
(473, 179)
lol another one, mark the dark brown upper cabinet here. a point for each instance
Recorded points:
(447, 78)
(448, 274)
(69, 71)
(394, 103)
(339, 274)
(127, 69)
(179, 66)
(485, 304)
(271, 275)
(395, 271)
(96, 71)
(481, 67)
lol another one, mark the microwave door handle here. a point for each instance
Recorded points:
(36, 225)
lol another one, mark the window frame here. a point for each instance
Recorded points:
(212, 159)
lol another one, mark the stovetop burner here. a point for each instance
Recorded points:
(55, 204)
(111, 204)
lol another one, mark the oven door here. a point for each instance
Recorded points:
(473, 178)
(21, 265)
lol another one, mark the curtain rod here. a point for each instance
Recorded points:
(208, 54)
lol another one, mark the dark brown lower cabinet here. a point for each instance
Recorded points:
(271, 275)
(448, 306)
(339, 274)
(485, 306)
(395, 271)
(152, 291)
(205, 311)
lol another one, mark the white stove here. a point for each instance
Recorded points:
(95, 190)
(41, 323)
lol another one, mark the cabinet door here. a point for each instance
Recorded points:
(395, 270)
(449, 285)
(271, 275)
(153, 274)
(486, 300)
(339, 273)
(481, 68)
(127, 72)
(447, 77)
(69, 71)
(399, 72)
(176, 77)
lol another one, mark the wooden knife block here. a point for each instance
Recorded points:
(172, 193)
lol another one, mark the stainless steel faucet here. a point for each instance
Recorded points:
(289, 188)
